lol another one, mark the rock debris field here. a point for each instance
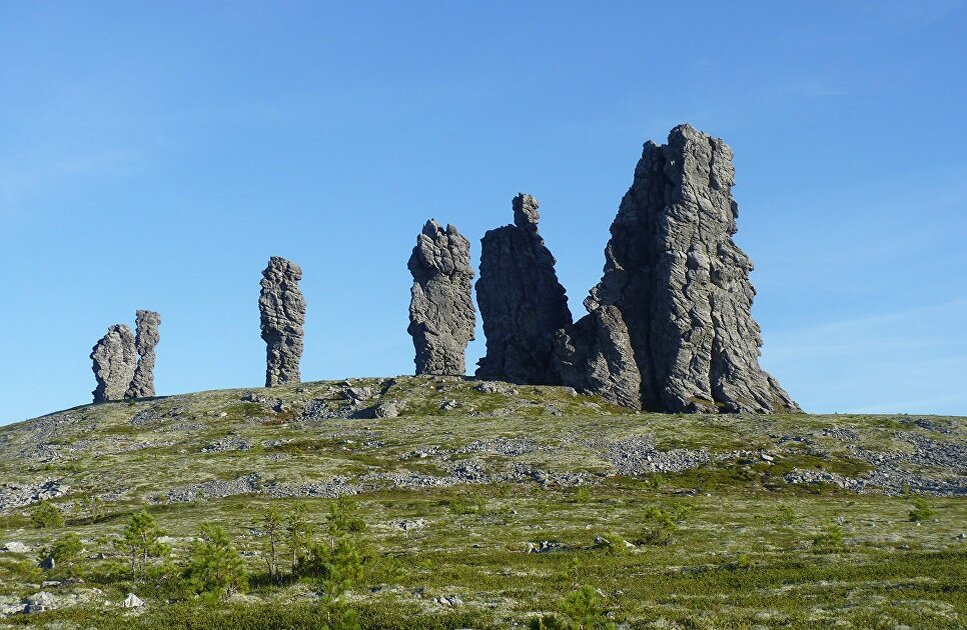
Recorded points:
(441, 431)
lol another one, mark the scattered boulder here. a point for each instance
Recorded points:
(521, 301)
(595, 356)
(386, 410)
(115, 360)
(357, 394)
(682, 285)
(407, 524)
(133, 601)
(146, 340)
(283, 311)
(496, 387)
(448, 601)
(15, 547)
(545, 546)
(13, 495)
(442, 316)
(39, 602)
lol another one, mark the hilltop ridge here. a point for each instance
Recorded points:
(499, 488)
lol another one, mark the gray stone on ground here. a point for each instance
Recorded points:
(115, 359)
(682, 284)
(387, 410)
(39, 602)
(132, 601)
(15, 547)
(442, 316)
(283, 312)
(594, 356)
(521, 302)
(146, 340)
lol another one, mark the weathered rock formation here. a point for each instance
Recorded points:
(521, 302)
(442, 316)
(283, 313)
(146, 340)
(682, 285)
(595, 356)
(115, 359)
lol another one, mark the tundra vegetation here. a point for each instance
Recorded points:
(478, 505)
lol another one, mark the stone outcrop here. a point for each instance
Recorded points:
(521, 302)
(115, 359)
(682, 285)
(146, 340)
(283, 312)
(594, 356)
(442, 317)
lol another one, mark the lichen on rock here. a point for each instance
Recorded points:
(115, 359)
(146, 340)
(283, 311)
(682, 284)
(521, 302)
(442, 316)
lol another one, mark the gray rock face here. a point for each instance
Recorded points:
(442, 317)
(115, 359)
(595, 356)
(146, 340)
(682, 285)
(521, 302)
(15, 547)
(283, 314)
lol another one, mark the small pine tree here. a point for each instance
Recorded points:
(660, 530)
(921, 510)
(64, 549)
(829, 540)
(299, 532)
(582, 609)
(47, 516)
(215, 565)
(344, 519)
(273, 529)
(140, 541)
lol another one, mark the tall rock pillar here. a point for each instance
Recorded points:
(442, 316)
(521, 302)
(146, 340)
(682, 285)
(114, 358)
(283, 313)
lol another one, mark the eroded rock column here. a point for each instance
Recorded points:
(595, 356)
(115, 359)
(283, 311)
(682, 284)
(146, 340)
(442, 315)
(521, 301)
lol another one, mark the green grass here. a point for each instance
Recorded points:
(738, 550)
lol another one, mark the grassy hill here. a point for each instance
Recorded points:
(485, 505)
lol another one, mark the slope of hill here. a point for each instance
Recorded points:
(487, 505)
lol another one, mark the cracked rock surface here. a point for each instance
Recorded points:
(595, 356)
(115, 360)
(682, 284)
(521, 302)
(442, 316)
(145, 341)
(283, 314)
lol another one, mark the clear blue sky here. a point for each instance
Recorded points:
(154, 155)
